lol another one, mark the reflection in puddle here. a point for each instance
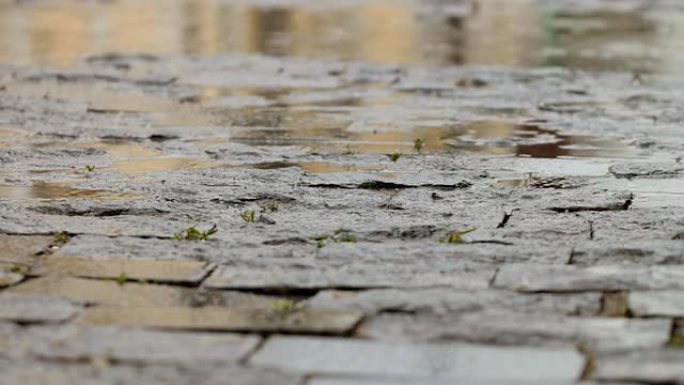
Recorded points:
(315, 167)
(56, 191)
(494, 137)
(146, 166)
(498, 32)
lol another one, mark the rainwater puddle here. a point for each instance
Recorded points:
(139, 167)
(44, 190)
(595, 35)
(493, 137)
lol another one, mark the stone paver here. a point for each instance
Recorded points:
(190, 272)
(426, 301)
(78, 343)
(225, 319)
(69, 374)
(539, 278)
(29, 308)
(456, 361)
(651, 366)
(111, 293)
(656, 303)
(506, 328)
(350, 276)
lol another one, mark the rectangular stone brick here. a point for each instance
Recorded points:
(447, 361)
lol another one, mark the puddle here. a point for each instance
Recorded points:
(44, 190)
(498, 32)
(140, 167)
(493, 137)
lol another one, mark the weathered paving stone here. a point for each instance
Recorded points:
(68, 374)
(539, 278)
(666, 303)
(448, 361)
(507, 328)
(441, 301)
(654, 252)
(353, 275)
(29, 308)
(9, 278)
(428, 381)
(76, 343)
(222, 319)
(662, 366)
(647, 170)
(110, 293)
(22, 249)
(191, 272)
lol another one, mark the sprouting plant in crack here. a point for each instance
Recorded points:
(418, 145)
(270, 206)
(456, 236)
(193, 234)
(89, 168)
(121, 279)
(283, 306)
(338, 236)
(248, 216)
(18, 269)
(60, 237)
(394, 156)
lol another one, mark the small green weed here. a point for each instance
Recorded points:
(193, 234)
(60, 237)
(89, 168)
(270, 206)
(248, 216)
(283, 306)
(18, 269)
(418, 145)
(121, 279)
(456, 236)
(677, 341)
(337, 236)
(395, 156)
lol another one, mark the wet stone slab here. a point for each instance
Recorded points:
(36, 308)
(448, 361)
(305, 321)
(78, 343)
(444, 301)
(9, 278)
(508, 328)
(538, 278)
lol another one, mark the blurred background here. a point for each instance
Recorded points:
(597, 35)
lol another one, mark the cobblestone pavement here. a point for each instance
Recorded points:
(243, 219)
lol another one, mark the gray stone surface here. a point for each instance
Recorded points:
(507, 328)
(303, 321)
(69, 374)
(648, 366)
(655, 252)
(78, 343)
(448, 361)
(28, 308)
(538, 278)
(440, 301)
(656, 303)
(344, 275)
